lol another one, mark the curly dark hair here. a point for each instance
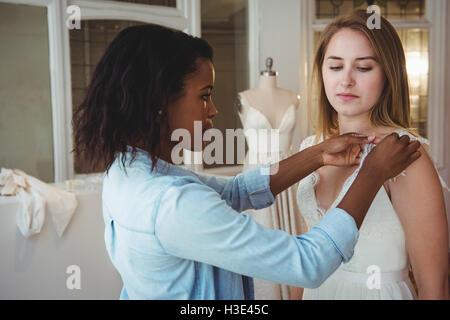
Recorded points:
(141, 72)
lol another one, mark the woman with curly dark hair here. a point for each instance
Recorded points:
(174, 234)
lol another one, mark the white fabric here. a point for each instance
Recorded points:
(37, 197)
(284, 213)
(381, 243)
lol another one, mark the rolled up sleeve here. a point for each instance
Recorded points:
(341, 229)
(248, 190)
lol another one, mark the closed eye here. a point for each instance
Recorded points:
(360, 69)
(206, 97)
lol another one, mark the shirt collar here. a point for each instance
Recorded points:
(162, 166)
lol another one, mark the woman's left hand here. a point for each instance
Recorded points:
(344, 150)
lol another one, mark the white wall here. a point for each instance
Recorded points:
(279, 38)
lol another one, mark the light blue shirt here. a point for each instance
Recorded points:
(174, 234)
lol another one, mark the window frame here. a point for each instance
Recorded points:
(434, 22)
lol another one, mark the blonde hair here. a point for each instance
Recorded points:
(393, 106)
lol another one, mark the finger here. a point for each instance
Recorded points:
(404, 139)
(393, 135)
(356, 134)
(413, 146)
(416, 155)
(358, 140)
(356, 150)
(355, 158)
(361, 147)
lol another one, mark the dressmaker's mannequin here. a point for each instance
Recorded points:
(264, 108)
(268, 98)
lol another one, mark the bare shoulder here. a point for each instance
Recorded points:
(418, 190)
(424, 165)
(420, 172)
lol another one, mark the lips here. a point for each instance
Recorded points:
(347, 96)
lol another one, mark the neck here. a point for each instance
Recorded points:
(166, 152)
(359, 124)
(164, 149)
(267, 82)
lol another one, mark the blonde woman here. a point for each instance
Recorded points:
(363, 87)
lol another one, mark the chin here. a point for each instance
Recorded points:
(347, 113)
(350, 111)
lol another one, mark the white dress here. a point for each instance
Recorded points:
(380, 264)
(283, 214)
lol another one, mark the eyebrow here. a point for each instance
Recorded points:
(358, 59)
(207, 87)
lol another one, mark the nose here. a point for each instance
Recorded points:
(347, 79)
(213, 112)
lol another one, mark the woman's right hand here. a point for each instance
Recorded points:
(391, 157)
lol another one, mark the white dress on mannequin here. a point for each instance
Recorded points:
(284, 213)
(380, 250)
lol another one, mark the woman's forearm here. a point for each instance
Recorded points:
(293, 169)
(359, 197)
